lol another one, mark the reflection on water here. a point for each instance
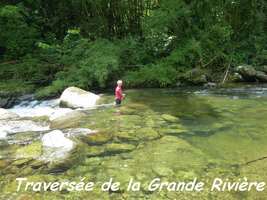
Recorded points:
(171, 134)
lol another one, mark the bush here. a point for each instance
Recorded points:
(18, 36)
(152, 76)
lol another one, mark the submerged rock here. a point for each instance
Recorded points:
(169, 118)
(33, 150)
(5, 114)
(68, 120)
(118, 148)
(162, 171)
(79, 131)
(21, 125)
(98, 138)
(147, 134)
(172, 131)
(126, 137)
(74, 97)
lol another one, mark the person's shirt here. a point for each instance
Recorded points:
(118, 93)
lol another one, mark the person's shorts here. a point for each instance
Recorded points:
(118, 102)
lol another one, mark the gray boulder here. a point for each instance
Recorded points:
(250, 74)
(196, 76)
(261, 76)
(74, 97)
(247, 72)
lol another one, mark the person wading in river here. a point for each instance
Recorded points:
(119, 96)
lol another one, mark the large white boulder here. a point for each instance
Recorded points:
(5, 114)
(56, 139)
(74, 97)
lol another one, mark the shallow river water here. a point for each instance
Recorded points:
(175, 135)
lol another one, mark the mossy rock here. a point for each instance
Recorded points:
(21, 162)
(172, 131)
(70, 120)
(126, 136)
(33, 150)
(3, 164)
(36, 164)
(170, 118)
(162, 171)
(118, 148)
(40, 119)
(98, 138)
(95, 151)
(147, 134)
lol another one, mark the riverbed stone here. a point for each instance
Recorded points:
(57, 139)
(98, 138)
(127, 136)
(74, 97)
(33, 150)
(162, 171)
(170, 118)
(147, 133)
(69, 120)
(79, 132)
(118, 148)
(94, 151)
(22, 125)
(20, 162)
(172, 131)
(3, 164)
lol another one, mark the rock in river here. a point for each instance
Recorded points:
(57, 139)
(118, 148)
(170, 118)
(74, 97)
(249, 73)
(21, 125)
(69, 120)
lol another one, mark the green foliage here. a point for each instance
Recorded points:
(16, 35)
(85, 64)
(152, 75)
(90, 44)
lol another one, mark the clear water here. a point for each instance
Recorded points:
(176, 135)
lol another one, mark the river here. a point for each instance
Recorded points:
(173, 134)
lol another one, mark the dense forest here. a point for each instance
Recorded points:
(46, 46)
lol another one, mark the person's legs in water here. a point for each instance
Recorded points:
(118, 102)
